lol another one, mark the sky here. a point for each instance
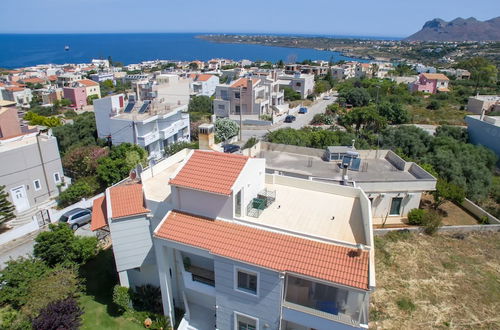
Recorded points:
(390, 18)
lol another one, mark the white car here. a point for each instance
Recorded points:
(328, 97)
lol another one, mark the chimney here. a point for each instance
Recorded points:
(206, 136)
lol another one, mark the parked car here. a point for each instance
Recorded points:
(76, 217)
(231, 148)
(289, 119)
(327, 97)
(303, 110)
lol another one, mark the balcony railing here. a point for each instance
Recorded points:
(257, 205)
(202, 275)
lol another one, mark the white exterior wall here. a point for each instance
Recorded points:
(381, 205)
(203, 203)
(251, 180)
(103, 109)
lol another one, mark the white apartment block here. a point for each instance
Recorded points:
(203, 84)
(299, 82)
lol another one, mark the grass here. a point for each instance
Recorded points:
(100, 278)
(445, 115)
(437, 282)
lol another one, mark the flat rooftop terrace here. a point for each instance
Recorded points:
(313, 211)
(154, 109)
(371, 170)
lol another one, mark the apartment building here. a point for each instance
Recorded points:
(236, 248)
(68, 78)
(203, 84)
(431, 83)
(299, 82)
(250, 96)
(151, 123)
(393, 185)
(77, 95)
(21, 95)
(344, 71)
(31, 169)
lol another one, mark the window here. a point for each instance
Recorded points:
(396, 206)
(236, 95)
(237, 204)
(57, 177)
(298, 84)
(246, 281)
(237, 109)
(245, 322)
(37, 185)
(221, 106)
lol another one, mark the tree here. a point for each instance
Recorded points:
(413, 141)
(16, 279)
(363, 117)
(83, 187)
(35, 119)
(447, 191)
(321, 86)
(225, 129)
(193, 66)
(83, 161)
(434, 105)
(107, 87)
(394, 112)
(200, 103)
(82, 132)
(57, 284)
(357, 97)
(120, 161)
(290, 94)
(455, 132)
(91, 98)
(6, 207)
(280, 64)
(481, 69)
(60, 246)
(62, 314)
(174, 148)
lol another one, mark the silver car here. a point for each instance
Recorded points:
(76, 217)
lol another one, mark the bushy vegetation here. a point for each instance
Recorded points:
(6, 207)
(35, 119)
(290, 94)
(174, 148)
(416, 216)
(61, 314)
(225, 129)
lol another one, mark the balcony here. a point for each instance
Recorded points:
(306, 299)
(148, 138)
(198, 274)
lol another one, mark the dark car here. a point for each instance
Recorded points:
(76, 217)
(289, 119)
(231, 148)
(303, 110)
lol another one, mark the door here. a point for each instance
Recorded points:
(19, 198)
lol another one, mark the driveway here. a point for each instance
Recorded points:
(302, 120)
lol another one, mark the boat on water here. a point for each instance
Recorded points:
(66, 48)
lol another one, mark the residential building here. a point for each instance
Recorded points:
(51, 94)
(9, 122)
(251, 96)
(91, 87)
(21, 95)
(487, 103)
(100, 63)
(151, 123)
(203, 84)
(420, 68)
(485, 130)
(299, 82)
(459, 74)
(31, 169)
(363, 70)
(77, 95)
(393, 185)
(103, 76)
(68, 78)
(431, 83)
(235, 248)
(344, 71)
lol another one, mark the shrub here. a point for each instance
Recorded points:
(59, 245)
(75, 193)
(62, 314)
(322, 119)
(406, 304)
(174, 148)
(122, 298)
(148, 298)
(250, 142)
(431, 222)
(434, 105)
(225, 129)
(416, 217)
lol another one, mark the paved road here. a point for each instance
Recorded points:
(24, 248)
(301, 121)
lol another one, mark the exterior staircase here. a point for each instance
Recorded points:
(26, 216)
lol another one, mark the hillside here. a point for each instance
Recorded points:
(437, 282)
(459, 29)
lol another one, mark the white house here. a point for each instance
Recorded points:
(203, 84)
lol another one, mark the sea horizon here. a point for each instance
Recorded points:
(22, 49)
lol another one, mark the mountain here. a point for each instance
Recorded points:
(459, 29)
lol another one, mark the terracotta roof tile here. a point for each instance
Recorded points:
(88, 83)
(210, 171)
(200, 77)
(126, 200)
(280, 252)
(99, 214)
(435, 76)
(242, 82)
(34, 80)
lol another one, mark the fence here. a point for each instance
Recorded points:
(443, 229)
(478, 211)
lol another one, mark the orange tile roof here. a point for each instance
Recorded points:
(242, 82)
(200, 77)
(127, 200)
(280, 252)
(14, 89)
(99, 214)
(34, 80)
(443, 89)
(88, 82)
(435, 76)
(52, 78)
(210, 171)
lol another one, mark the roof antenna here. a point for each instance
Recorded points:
(353, 140)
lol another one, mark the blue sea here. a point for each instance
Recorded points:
(19, 50)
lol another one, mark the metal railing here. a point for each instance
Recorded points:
(257, 205)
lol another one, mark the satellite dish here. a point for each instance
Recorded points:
(132, 175)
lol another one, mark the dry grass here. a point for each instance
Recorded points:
(437, 282)
(446, 115)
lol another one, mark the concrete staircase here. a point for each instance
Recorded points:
(27, 215)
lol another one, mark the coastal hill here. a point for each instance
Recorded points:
(459, 29)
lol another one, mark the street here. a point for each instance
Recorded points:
(301, 121)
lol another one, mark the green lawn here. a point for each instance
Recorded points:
(100, 278)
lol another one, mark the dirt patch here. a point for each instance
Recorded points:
(437, 282)
(453, 215)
